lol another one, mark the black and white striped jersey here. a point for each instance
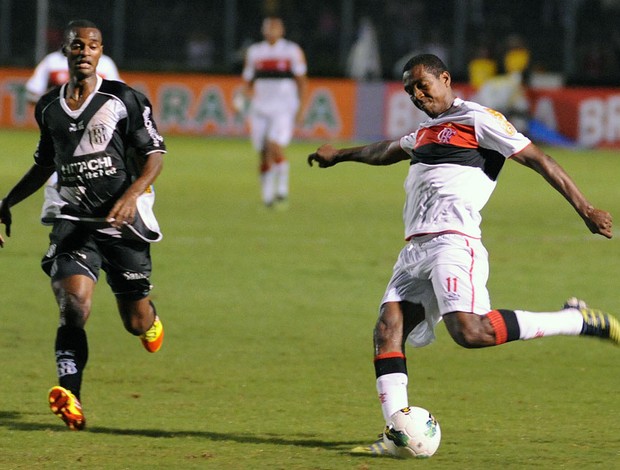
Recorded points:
(97, 150)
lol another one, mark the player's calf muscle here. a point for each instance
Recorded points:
(470, 330)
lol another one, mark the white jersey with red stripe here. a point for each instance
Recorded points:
(455, 161)
(272, 68)
(53, 71)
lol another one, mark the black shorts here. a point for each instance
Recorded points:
(75, 248)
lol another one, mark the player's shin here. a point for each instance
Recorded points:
(71, 357)
(511, 325)
(537, 324)
(268, 181)
(282, 171)
(392, 379)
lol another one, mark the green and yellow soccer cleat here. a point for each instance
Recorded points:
(596, 322)
(67, 407)
(153, 338)
(375, 449)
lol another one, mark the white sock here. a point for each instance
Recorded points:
(392, 390)
(282, 170)
(536, 324)
(267, 180)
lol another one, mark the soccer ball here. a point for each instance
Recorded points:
(412, 432)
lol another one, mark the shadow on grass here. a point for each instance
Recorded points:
(12, 420)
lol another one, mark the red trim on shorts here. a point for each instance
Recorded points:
(499, 325)
(471, 277)
(389, 355)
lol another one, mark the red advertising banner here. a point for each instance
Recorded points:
(588, 116)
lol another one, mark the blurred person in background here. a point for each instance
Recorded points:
(481, 67)
(455, 159)
(274, 73)
(52, 72)
(100, 137)
(199, 50)
(507, 92)
(364, 60)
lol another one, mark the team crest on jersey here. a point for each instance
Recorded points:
(446, 134)
(508, 127)
(98, 134)
(76, 126)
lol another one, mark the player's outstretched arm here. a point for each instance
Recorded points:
(5, 218)
(598, 221)
(34, 178)
(385, 152)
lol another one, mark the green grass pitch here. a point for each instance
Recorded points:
(267, 361)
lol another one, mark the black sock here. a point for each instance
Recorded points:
(390, 363)
(71, 357)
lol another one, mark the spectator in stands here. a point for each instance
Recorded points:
(507, 92)
(199, 50)
(481, 67)
(517, 56)
(364, 62)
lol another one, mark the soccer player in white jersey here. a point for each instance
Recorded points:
(275, 76)
(52, 72)
(100, 137)
(455, 159)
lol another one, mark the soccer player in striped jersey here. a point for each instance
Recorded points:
(275, 76)
(455, 159)
(99, 136)
(53, 72)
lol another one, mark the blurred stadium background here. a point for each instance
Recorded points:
(187, 56)
(578, 38)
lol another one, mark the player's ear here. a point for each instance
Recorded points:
(65, 50)
(446, 78)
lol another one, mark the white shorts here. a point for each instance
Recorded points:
(275, 127)
(445, 273)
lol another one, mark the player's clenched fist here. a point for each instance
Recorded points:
(325, 156)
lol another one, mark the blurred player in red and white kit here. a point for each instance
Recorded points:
(51, 72)
(275, 75)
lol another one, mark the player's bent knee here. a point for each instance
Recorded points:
(74, 310)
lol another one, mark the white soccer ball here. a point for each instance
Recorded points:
(412, 432)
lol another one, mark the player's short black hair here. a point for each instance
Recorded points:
(430, 62)
(74, 24)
